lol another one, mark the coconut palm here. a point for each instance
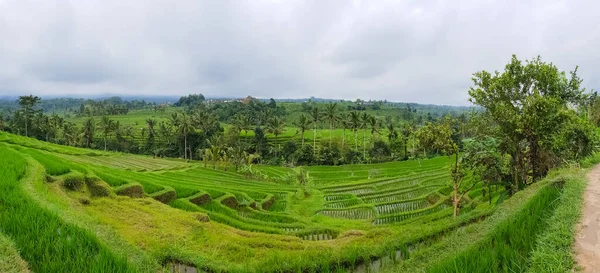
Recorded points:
(331, 117)
(150, 123)
(375, 125)
(304, 124)
(185, 126)
(315, 114)
(344, 119)
(243, 122)
(276, 126)
(88, 131)
(355, 125)
(364, 122)
(106, 127)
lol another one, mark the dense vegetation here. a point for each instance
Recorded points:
(223, 186)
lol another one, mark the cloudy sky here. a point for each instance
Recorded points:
(417, 51)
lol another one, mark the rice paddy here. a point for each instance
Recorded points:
(112, 212)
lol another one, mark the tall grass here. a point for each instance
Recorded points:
(43, 240)
(508, 247)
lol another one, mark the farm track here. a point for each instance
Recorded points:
(587, 245)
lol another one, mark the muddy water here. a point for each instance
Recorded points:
(378, 264)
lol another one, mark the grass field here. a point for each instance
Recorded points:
(112, 212)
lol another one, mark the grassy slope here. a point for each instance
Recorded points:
(10, 261)
(173, 233)
(58, 246)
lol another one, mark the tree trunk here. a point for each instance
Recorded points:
(105, 143)
(330, 132)
(303, 138)
(365, 144)
(314, 140)
(343, 137)
(185, 147)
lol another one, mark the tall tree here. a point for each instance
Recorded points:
(276, 126)
(28, 104)
(332, 117)
(355, 124)
(185, 126)
(303, 124)
(531, 103)
(345, 122)
(106, 127)
(364, 122)
(316, 115)
(150, 123)
(88, 132)
(407, 131)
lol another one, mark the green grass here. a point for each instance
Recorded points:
(43, 240)
(344, 218)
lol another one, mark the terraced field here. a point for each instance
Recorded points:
(175, 215)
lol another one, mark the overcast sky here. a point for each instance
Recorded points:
(417, 51)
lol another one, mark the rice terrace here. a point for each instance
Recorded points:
(254, 164)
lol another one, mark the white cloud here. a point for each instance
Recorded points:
(423, 51)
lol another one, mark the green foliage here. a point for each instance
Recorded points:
(534, 106)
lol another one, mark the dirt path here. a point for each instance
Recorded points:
(587, 245)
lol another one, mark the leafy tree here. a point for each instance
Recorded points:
(530, 103)
(303, 124)
(380, 150)
(445, 143)
(28, 104)
(483, 156)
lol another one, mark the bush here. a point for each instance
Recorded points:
(74, 182)
(97, 187)
(165, 196)
(133, 190)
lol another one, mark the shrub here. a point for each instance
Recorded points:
(133, 190)
(165, 196)
(74, 182)
(97, 187)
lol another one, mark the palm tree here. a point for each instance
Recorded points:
(315, 113)
(88, 131)
(345, 121)
(243, 122)
(106, 126)
(185, 125)
(392, 133)
(304, 124)
(150, 123)
(374, 124)
(331, 117)
(355, 125)
(215, 145)
(364, 122)
(407, 131)
(276, 126)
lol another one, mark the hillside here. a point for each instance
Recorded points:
(155, 214)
